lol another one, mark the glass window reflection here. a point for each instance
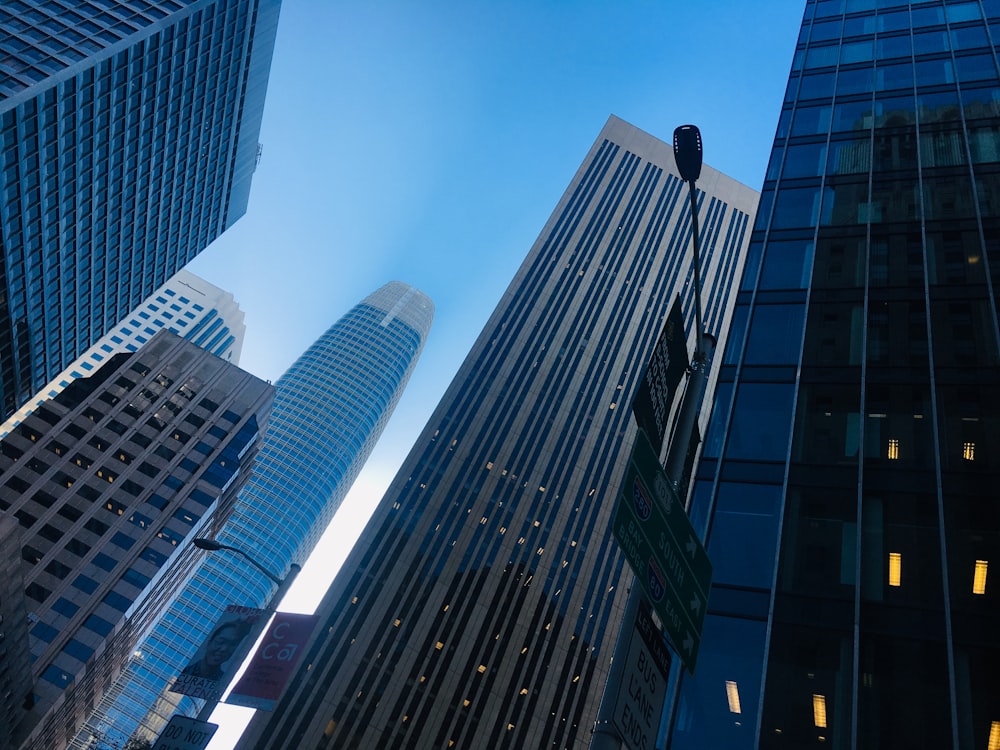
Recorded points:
(717, 708)
(788, 265)
(743, 534)
(761, 422)
(775, 335)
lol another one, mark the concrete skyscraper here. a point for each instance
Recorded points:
(107, 482)
(128, 139)
(329, 411)
(185, 305)
(849, 477)
(481, 604)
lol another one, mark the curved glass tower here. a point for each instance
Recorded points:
(329, 411)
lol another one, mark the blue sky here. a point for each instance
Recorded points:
(429, 142)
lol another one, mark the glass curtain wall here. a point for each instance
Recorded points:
(849, 485)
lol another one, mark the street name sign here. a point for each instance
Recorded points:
(663, 549)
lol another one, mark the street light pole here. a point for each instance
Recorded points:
(247, 643)
(688, 158)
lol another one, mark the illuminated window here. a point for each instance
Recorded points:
(733, 696)
(893, 449)
(979, 577)
(994, 743)
(439, 645)
(481, 669)
(969, 451)
(819, 711)
(895, 568)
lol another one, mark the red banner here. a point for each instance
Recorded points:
(272, 666)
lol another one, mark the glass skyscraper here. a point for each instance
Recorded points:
(850, 473)
(330, 409)
(128, 138)
(480, 606)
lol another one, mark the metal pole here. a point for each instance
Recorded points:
(677, 453)
(687, 155)
(605, 736)
(247, 643)
(704, 344)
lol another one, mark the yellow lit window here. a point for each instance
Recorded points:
(893, 449)
(396, 622)
(969, 451)
(481, 669)
(994, 743)
(733, 696)
(979, 577)
(439, 645)
(819, 711)
(895, 568)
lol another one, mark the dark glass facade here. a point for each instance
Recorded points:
(477, 606)
(850, 469)
(128, 137)
(330, 409)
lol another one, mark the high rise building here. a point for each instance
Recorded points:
(185, 305)
(480, 605)
(330, 409)
(108, 481)
(128, 138)
(849, 476)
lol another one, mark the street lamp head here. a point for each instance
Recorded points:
(687, 152)
(210, 544)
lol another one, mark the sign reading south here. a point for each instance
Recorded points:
(661, 546)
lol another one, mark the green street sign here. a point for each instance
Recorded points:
(662, 548)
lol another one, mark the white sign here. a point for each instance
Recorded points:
(185, 733)
(643, 687)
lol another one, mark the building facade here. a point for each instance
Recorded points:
(128, 138)
(848, 482)
(481, 604)
(15, 661)
(108, 482)
(185, 305)
(330, 409)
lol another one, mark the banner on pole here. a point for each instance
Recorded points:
(203, 676)
(274, 662)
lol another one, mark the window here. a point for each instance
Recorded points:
(104, 562)
(98, 625)
(761, 422)
(37, 592)
(44, 632)
(117, 601)
(57, 676)
(65, 607)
